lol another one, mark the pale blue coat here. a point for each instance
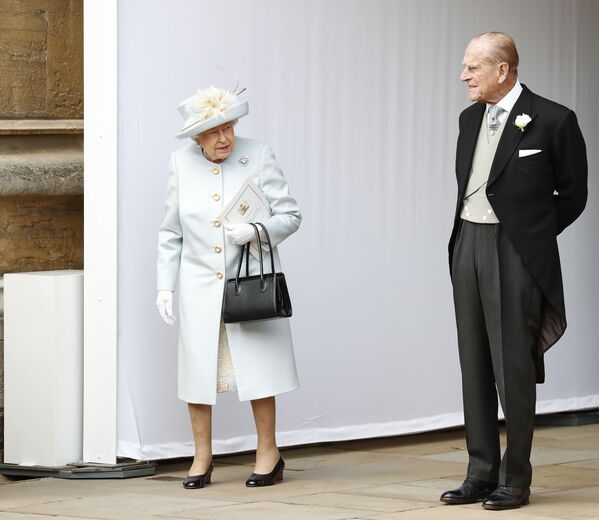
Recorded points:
(197, 192)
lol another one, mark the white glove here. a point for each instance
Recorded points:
(164, 302)
(239, 234)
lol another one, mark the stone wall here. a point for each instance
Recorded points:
(41, 59)
(41, 233)
(41, 141)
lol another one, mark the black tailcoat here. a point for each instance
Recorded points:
(535, 197)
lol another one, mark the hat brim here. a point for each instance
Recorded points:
(231, 114)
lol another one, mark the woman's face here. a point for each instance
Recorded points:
(218, 142)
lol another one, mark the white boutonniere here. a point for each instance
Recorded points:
(522, 121)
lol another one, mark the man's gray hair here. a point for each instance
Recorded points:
(503, 49)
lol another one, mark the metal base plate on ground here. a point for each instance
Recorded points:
(579, 418)
(81, 470)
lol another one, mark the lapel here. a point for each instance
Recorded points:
(467, 143)
(511, 136)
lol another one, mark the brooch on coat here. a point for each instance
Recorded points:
(244, 160)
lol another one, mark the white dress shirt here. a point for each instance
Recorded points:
(508, 101)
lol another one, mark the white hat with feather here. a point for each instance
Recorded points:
(209, 108)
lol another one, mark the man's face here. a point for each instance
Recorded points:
(481, 75)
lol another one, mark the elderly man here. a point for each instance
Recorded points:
(522, 179)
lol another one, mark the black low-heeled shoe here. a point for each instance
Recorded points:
(471, 491)
(507, 497)
(198, 481)
(276, 475)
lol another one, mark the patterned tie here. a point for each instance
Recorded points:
(493, 122)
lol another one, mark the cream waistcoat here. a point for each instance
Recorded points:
(476, 206)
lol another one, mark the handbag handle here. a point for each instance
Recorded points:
(246, 249)
(247, 257)
(272, 260)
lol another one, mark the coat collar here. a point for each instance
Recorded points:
(511, 136)
(472, 119)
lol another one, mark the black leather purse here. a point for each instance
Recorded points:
(257, 297)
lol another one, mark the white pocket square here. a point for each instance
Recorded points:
(526, 153)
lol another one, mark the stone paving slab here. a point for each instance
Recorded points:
(378, 479)
(394, 469)
(581, 504)
(25, 516)
(121, 506)
(270, 510)
(590, 464)
(540, 456)
(353, 499)
(475, 512)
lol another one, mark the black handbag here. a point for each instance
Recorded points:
(258, 297)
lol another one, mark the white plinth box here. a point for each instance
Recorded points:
(43, 368)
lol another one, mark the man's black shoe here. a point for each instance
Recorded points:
(506, 497)
(472, 490)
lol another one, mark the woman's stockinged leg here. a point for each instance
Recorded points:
(267, 453)
(201, 425)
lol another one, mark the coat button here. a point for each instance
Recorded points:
(216, 197)
(218, 249)
(216, 223)
(219, 275)
(215, 170)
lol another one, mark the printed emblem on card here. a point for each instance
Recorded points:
(243, 207)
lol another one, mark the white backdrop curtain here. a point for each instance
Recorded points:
(360, 100)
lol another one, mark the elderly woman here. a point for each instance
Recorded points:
(254, 358)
